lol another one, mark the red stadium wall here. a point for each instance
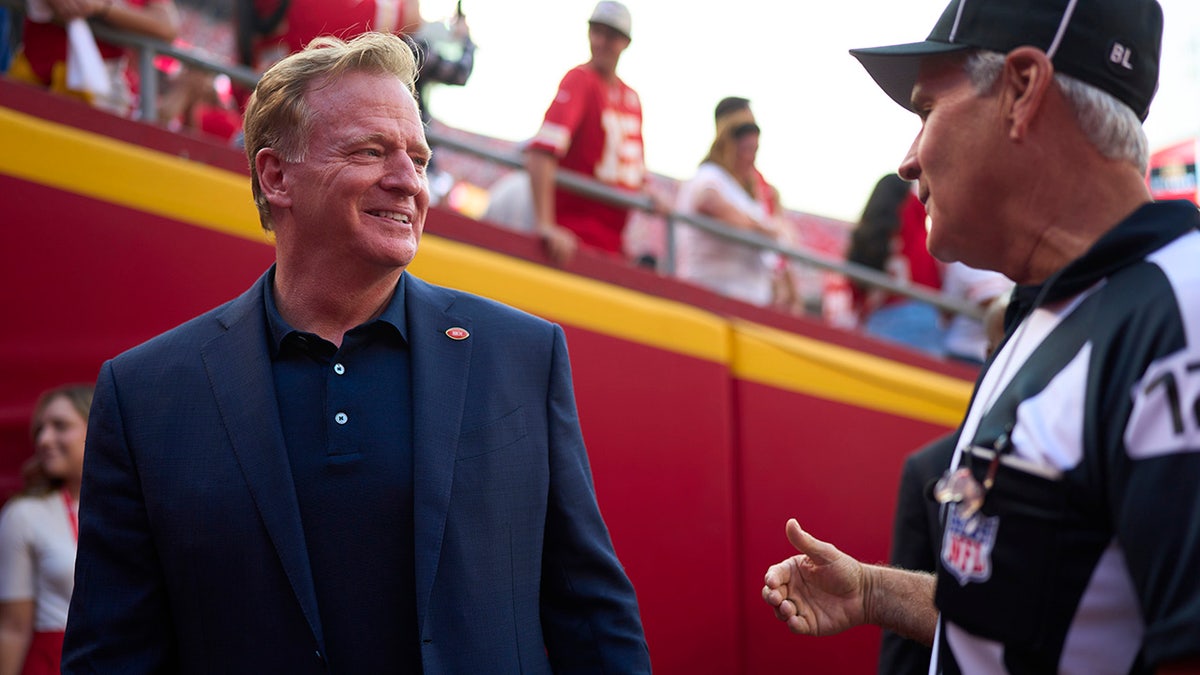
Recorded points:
(706, 430)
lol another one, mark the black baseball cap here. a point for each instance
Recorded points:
(1113, 45)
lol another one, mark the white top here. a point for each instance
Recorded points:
(37, 557)
(730, 268)
(966, 336)
(510, 203)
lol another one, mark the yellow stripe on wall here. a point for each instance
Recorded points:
(575, 300)
(804, 365)
(189, 192)
(98, 166)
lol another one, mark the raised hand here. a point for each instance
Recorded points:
(821, 591)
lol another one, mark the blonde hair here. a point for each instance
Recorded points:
(277, 115)
(731, 127)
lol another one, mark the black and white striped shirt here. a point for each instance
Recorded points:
(1085, 557)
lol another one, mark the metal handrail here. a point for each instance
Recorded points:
(148, 48)
(591, 188)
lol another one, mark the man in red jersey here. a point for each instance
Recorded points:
(593, 127)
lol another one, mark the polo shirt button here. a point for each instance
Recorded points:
(341, 418)
(339, 369)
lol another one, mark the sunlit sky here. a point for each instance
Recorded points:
(828, 132)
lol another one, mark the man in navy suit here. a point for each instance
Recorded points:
(345, 469)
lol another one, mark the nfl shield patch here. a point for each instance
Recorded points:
(967, 545)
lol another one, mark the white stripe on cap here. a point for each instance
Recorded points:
(957, 18)
(1062, 29)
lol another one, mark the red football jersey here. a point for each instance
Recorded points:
(307, 19)
(595, 128)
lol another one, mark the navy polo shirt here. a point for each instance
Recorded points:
(347, 422)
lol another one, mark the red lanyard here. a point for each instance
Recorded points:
(71, 515)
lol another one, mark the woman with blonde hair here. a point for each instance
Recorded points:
(726, 187)
(38, 533)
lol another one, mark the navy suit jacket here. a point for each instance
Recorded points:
(192, 557)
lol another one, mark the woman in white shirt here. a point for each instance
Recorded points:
(728, 188)
(38, 533)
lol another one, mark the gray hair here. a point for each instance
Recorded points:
(1111, 126)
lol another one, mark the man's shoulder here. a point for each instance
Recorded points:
(194, 332)
(934, 456)
(581, 74)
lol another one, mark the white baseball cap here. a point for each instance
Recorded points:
(614, 15)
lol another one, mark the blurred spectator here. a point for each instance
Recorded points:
(54, 28)
(645, 235)
(728, 188)
(732, 107)
(510, 203)
(38, 532)
(593, 127)
(890, 237)
(785, 294)
(268, 30)
(196, 100)
(966, 338)
(193, 99)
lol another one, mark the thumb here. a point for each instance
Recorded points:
(818, 551)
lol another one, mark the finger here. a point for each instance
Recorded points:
(784, 609)
(799, 625)
(820, 552)
(787, 609)
(778, 574)
(774, 596)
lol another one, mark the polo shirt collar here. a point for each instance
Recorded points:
(394, 315)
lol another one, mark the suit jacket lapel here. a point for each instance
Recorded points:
(239, 369)
(440, 366)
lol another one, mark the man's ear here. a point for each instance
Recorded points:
(1025, 84)
(272, 178)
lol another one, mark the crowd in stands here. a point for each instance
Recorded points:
(51, 45)
(593, 127)
(890, 237)
(58, 50)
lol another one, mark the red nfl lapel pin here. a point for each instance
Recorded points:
(457, 333)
